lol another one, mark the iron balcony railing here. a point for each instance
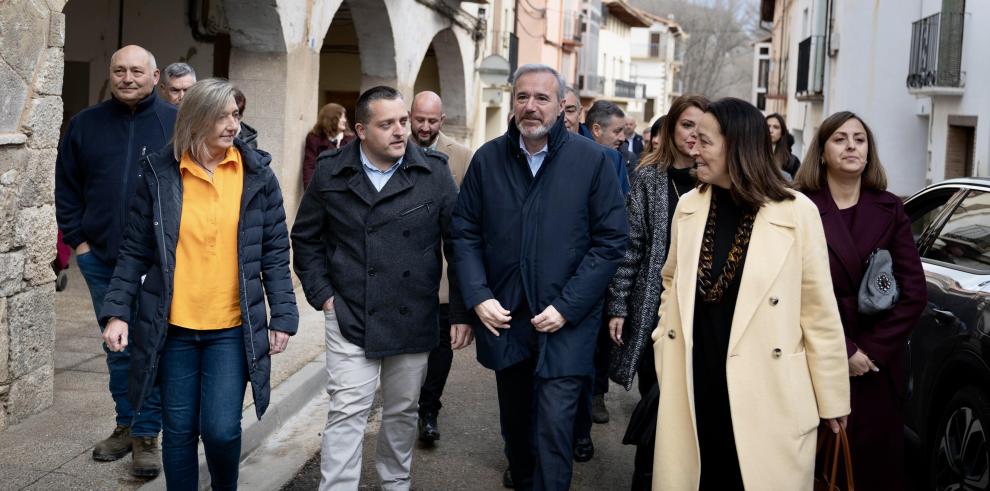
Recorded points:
(811, 67)
(591, 83)
(624, 88)
(936, 51)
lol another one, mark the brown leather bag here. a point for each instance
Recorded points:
(833, 453)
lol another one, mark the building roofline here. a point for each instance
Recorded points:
(627, 13)
(672, 25)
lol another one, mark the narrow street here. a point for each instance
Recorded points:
(469, 454)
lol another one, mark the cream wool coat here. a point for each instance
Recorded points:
(786, 366)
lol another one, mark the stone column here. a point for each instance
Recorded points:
(32, 34)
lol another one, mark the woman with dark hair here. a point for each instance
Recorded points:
(782, 142)
(330, 131)
(654, 140)
(843, 176)
(750, 356)
(206, 248)
(634, 292)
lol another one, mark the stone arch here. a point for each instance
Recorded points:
(376, 44)
(445, 64)
(255, 25)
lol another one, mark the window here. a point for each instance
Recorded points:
(965, 238)
(924, 209)
(654, 45)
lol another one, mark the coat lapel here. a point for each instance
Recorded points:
(873, 216)
(769, 244)
(691, 218)
(840, 241)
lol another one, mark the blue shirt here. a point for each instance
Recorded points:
(535, 160)
(377, 177)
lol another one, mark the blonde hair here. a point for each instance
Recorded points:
(204, 103)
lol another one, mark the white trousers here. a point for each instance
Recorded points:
(352, 383)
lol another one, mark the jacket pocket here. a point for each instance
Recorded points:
(804, 404)
(420, 207)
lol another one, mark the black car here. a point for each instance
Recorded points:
(948, 406)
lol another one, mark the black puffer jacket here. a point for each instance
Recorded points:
(149, 249)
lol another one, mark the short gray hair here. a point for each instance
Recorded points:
(540, 68)
(177, 70)
(601, 112)
(204, 104)
(571, 90)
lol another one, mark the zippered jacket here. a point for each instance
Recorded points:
(96, 171)
(148, 251)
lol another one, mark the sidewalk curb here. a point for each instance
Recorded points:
(286, 400)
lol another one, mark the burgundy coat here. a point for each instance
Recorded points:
(315, 145)
(876, 423)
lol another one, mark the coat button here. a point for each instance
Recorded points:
(371, 311)
(371, 271)
(371, 230)
(774, 301)
(777, 352)
(405, 233)
(404, 310)
(405, 274)
(671, 334)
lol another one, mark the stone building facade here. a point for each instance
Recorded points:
(32, 35)
(288, 56)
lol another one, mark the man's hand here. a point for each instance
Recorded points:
(328, 305)
(835, 424)
(82, 249)
(860, 364)
(549, 320)
(115, 334)
(492, 315)
(461, 336)
(277, 341)
(615, 329)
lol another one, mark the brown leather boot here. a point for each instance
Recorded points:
(115, 446)
(147, 457)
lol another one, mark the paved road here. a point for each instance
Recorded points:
(469, 455)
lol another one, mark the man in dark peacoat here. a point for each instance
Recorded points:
(877, 420)
(367, 249)
(539, 229)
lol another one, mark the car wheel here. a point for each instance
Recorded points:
(961, 453)
(61, 281)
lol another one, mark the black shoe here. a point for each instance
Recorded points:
(507, 479)
(584, 449)
(429, 432)
(599, 413)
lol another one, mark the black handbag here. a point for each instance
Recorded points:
(642, 426)
(878, 291)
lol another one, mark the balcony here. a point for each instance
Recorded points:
(625, 88)
(810, 68)
(573, 22)
(591, 85)
(935, 67)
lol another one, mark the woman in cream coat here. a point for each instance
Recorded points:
(748, 368)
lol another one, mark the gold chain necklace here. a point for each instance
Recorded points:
(712, 291)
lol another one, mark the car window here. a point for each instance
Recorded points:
(924, 209)
(965, 238)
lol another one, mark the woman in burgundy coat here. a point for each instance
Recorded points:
(331, 131)
(842, 174)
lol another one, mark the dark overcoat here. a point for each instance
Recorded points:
(149, 249)
(378, 253)
(876, 423)
(534, 241)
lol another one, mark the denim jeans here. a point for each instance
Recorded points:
(203, 376)
(149, 421)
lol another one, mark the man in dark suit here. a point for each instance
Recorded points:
(539, 229)
(634, 142)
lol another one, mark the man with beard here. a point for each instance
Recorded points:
(539, 229)
(367, 249)
(426, 119)
(96, 174)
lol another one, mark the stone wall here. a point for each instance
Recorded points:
(32, 35)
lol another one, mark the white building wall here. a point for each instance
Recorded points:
(975, 100)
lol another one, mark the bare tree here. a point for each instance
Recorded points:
(718, 51)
